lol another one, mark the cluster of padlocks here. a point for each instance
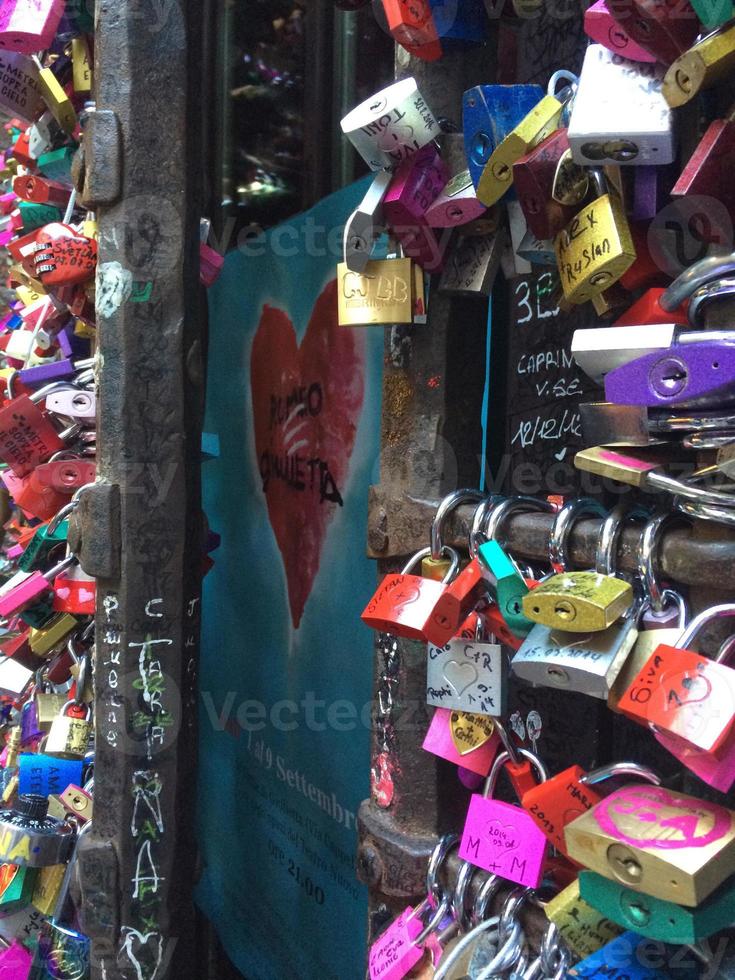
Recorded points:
(572, 180)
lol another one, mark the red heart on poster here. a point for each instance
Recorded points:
(307, 402)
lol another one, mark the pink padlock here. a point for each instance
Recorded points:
(456, 205)
(15, 962)
(396, 951)
(600, 26)
(502, 838)
(31, 588)
(439, 741)
(211, 264)
(416, 185)
(29, 26)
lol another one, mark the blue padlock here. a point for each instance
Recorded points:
(628, 955)
(460, 20)
(489, 113)
(47, 775)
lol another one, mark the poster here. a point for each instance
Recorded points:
(286, 673)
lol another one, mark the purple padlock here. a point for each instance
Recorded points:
(64, 342)
(695, 375)
(42, 374)
(29, 727)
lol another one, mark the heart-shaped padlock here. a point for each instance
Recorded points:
(63, 256)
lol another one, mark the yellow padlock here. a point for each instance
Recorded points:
(48, 886)
(56, 98)
(46, 638)
(81, 67)
(582, 927)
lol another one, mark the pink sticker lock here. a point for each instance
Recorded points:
(395, 952)
(439, 742)
(28, 26)
(716, 771)
(15, 962)
(504, 840)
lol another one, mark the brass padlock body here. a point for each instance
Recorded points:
(580, 602)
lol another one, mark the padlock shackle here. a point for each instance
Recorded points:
(669, 596)
(479, 519)
(649, 545)
(441, 852)
(615, 769)
(426, 553)
(448, 961)
(517, 504)
(610, 531)
(710, 292)
(60, 516)
(562, 526)
(720, 611)
(504, 757)
(710, 267)
(445, 508)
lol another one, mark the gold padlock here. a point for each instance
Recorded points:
(580, 602)
(665, 844)
(48, 707)
(77, 803)
(45, 639)
(81, 67)
(47, 887)
(69, 736)
(382, 294)
(708, 60)
(596, 248)
(582, 927)
(56, 98)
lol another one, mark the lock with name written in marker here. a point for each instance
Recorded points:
(550, 186)
(583, 602)
(582, 927)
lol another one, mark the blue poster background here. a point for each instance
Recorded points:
(278, 798)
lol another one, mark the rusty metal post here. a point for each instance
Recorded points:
(141, 530)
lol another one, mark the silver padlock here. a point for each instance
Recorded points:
(620, 115)
(69, 736)
(74, 403)
(28, 836)
(472, 265)
(535, 251)
(364, 225)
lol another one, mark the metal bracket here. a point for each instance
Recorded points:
(101, 166)
(94, 530)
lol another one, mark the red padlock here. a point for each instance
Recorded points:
(75, 592)
(404, 604)
(665, 28)
(535, 177)
(411, 24)
(41, 190)
(648, 310)
(566, 796)
(461, 596)
(27, 437)
(32, 497)
(709, 170)
(63, 256)
(66, 475)
(645, 272)
(683, 693)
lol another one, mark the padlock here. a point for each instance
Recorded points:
(48, 882)
(31, 588)
(578, 602)
(711, 59)
(66, 475)
(412, 26)
(57, 164)
(78, 803)
(596, 248)
(666, 29)
(457, 204)
(537, 252)
(81, 65)
(507, 586)
(15, 959)
(657, 918)
(391, 125)
(600, 26)
(542, 120)
(627, 955)
(15, 679)
(461, 596)
(664, 844)
(556, 802)
(582, 927)
(467, 676)
(404, 603)
(16, 887)
(466, 739)
(416, 184)
(56, 98)
(489, 113)
(712, 13)
(550, 186)
(707, 172)
(502, 838)
(382, 294)
(62, 953)
(63, 256)
(47, 775)
(40, 190)
(620, 114)
(43, 641)
(472, 265)
(365, 223)
(20, 89)
(27, 437)
(29, 25)
(30, 838)
(75, 592)
(48, 707)
(68, 737)
(46, 537)
(691, 376)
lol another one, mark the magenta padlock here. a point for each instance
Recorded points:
(15, 962)
(456, 205)
(694, 375)
(31, 588)
(395, 952)
(502, 838)
(439, 742)
(416, 185)
(600, 26)
(29, 26)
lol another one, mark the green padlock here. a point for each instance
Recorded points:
(507, 586)
(713, 13)
(34, 558)
(654, 917)
(37, 215)
(56, 165)
(38, 615)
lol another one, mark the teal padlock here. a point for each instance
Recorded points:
(655, 918)
(34, 558)
(507, 586)
(713, 13)
(56, 165)
(37, 215)
(38, 615)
